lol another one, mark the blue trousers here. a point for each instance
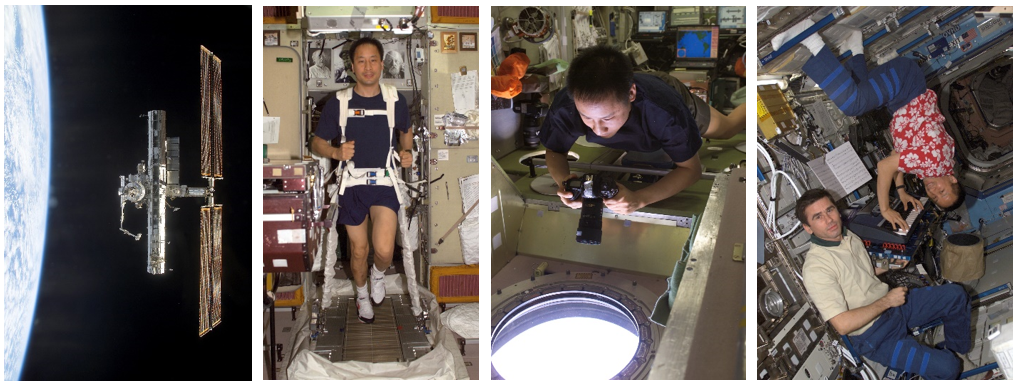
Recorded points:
(888, 342)
(855, 89)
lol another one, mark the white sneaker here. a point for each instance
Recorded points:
(365, 313)
(378, 284)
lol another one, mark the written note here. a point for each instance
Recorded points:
(841, 171)
(465, 91)
(270, 129)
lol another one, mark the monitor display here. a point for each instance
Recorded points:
(651, 21)
(732, 17)
(697, 42)
(685, 16)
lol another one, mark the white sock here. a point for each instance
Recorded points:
(812, 42)
(376, 273)
(362, 292)
(853, 44)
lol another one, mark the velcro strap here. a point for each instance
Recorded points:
(365, 180)
(367, 171)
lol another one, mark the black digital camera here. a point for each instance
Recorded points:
(531, 113)
(593, 189)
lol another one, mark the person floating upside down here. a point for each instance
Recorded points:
(922, 146)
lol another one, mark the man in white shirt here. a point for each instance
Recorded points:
(843, 285)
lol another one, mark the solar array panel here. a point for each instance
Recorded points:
(212, 115)
(211, 281)
(211, 249)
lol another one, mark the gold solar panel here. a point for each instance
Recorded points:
(212, 115)
(210, 283)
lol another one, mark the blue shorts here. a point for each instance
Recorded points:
(357, 200)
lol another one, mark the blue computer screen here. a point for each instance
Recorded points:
(697, 43)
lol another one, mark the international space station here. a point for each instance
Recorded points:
(590, 293)
(667, 279)
(158, 181)
(315, 324)
(809, 138)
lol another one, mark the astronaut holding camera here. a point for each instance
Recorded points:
(611, 106)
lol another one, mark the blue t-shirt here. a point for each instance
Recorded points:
(370, 134)
(659, 119)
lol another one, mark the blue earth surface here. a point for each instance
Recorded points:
(26, 175)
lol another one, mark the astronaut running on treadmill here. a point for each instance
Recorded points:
(376, 116)
(922, 146)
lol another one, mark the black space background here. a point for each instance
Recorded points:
(100, 315)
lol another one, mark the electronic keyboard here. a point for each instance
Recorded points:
(870, 225)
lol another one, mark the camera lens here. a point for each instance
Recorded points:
(589, 228)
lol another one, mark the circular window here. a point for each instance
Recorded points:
(565, 335)
(771, 303)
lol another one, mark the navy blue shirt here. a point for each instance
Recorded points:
(370, 134)
(659, 119)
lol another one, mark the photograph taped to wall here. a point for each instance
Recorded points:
(326, 65)
(271, 38)
(395, 62)
(340, 73)
(319, 60)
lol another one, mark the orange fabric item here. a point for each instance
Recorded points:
(506, 86)
(506, 82)
(741, 66)
(514, 65)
